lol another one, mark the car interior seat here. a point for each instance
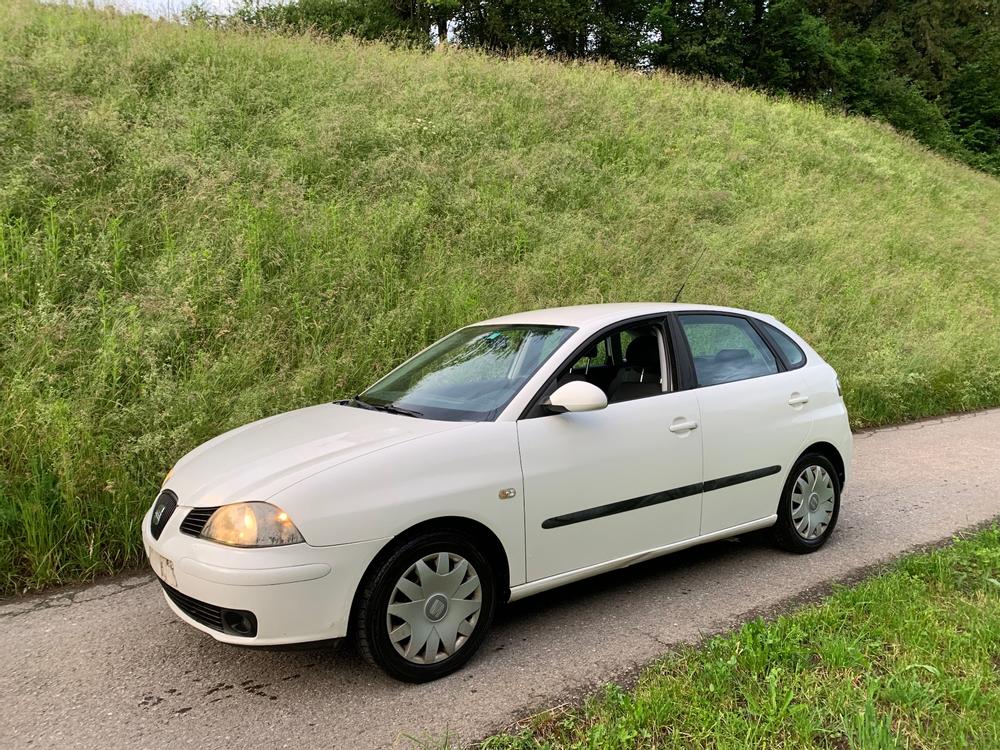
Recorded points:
(640, 375)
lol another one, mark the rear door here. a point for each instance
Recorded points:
(755, 418)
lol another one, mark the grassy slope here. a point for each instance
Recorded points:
(908, 659)
(199, 228)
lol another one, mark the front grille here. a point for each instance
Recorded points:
(207, 614)
(195, 520)
(163, 508)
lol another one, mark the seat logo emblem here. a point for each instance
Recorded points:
(158, 513)
(436, 607)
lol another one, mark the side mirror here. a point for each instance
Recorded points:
(577, 395)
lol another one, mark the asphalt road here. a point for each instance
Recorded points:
(108, 665)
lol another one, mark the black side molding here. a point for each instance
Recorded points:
(746, 476)
(664, 496)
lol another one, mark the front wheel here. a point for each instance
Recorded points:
(426, 609)
(809, 505)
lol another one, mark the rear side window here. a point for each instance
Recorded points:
(789, 349)
(726, 348)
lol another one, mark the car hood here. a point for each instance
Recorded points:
(256, 461)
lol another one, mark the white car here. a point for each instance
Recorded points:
(510, 457)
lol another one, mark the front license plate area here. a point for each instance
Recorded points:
(163, 567)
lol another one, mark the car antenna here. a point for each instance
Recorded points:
(690, 271)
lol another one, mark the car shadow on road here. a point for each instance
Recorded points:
(660, 571)
(540, 618)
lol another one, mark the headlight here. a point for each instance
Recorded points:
(251, 525)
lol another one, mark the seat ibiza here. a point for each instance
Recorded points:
(510, 457)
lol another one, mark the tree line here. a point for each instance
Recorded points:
(929, 67)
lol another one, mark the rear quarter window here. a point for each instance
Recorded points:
(791, 351)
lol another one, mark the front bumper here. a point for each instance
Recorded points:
(296, 593)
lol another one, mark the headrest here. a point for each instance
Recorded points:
(732, 355)
(643, 351)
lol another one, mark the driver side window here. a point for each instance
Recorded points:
(599, 355)
(625, 364)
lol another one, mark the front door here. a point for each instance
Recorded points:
(606, 484)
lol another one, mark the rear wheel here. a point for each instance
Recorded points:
(809, 505)
(425, 610)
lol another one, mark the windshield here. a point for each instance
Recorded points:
(470, 375)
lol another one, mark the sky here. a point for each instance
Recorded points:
(158, 8)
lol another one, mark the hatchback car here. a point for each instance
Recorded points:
(510, 457)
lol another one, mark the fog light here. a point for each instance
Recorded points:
(239, 622)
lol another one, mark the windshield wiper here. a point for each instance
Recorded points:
(356, 401)
(389, 408)
(393, 409)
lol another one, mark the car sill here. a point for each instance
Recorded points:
(544, 584)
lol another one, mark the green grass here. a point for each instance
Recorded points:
(199, 228)
(908, 659)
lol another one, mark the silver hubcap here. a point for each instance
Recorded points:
(434, 608)
(812, 502)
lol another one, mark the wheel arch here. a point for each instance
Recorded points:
(492, 547)
(830, 452)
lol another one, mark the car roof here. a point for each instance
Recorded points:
(595, 316)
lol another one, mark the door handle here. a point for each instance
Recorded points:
(683, 426)
(798, 399)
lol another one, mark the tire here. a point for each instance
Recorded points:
(451, 611)
(805, 504)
